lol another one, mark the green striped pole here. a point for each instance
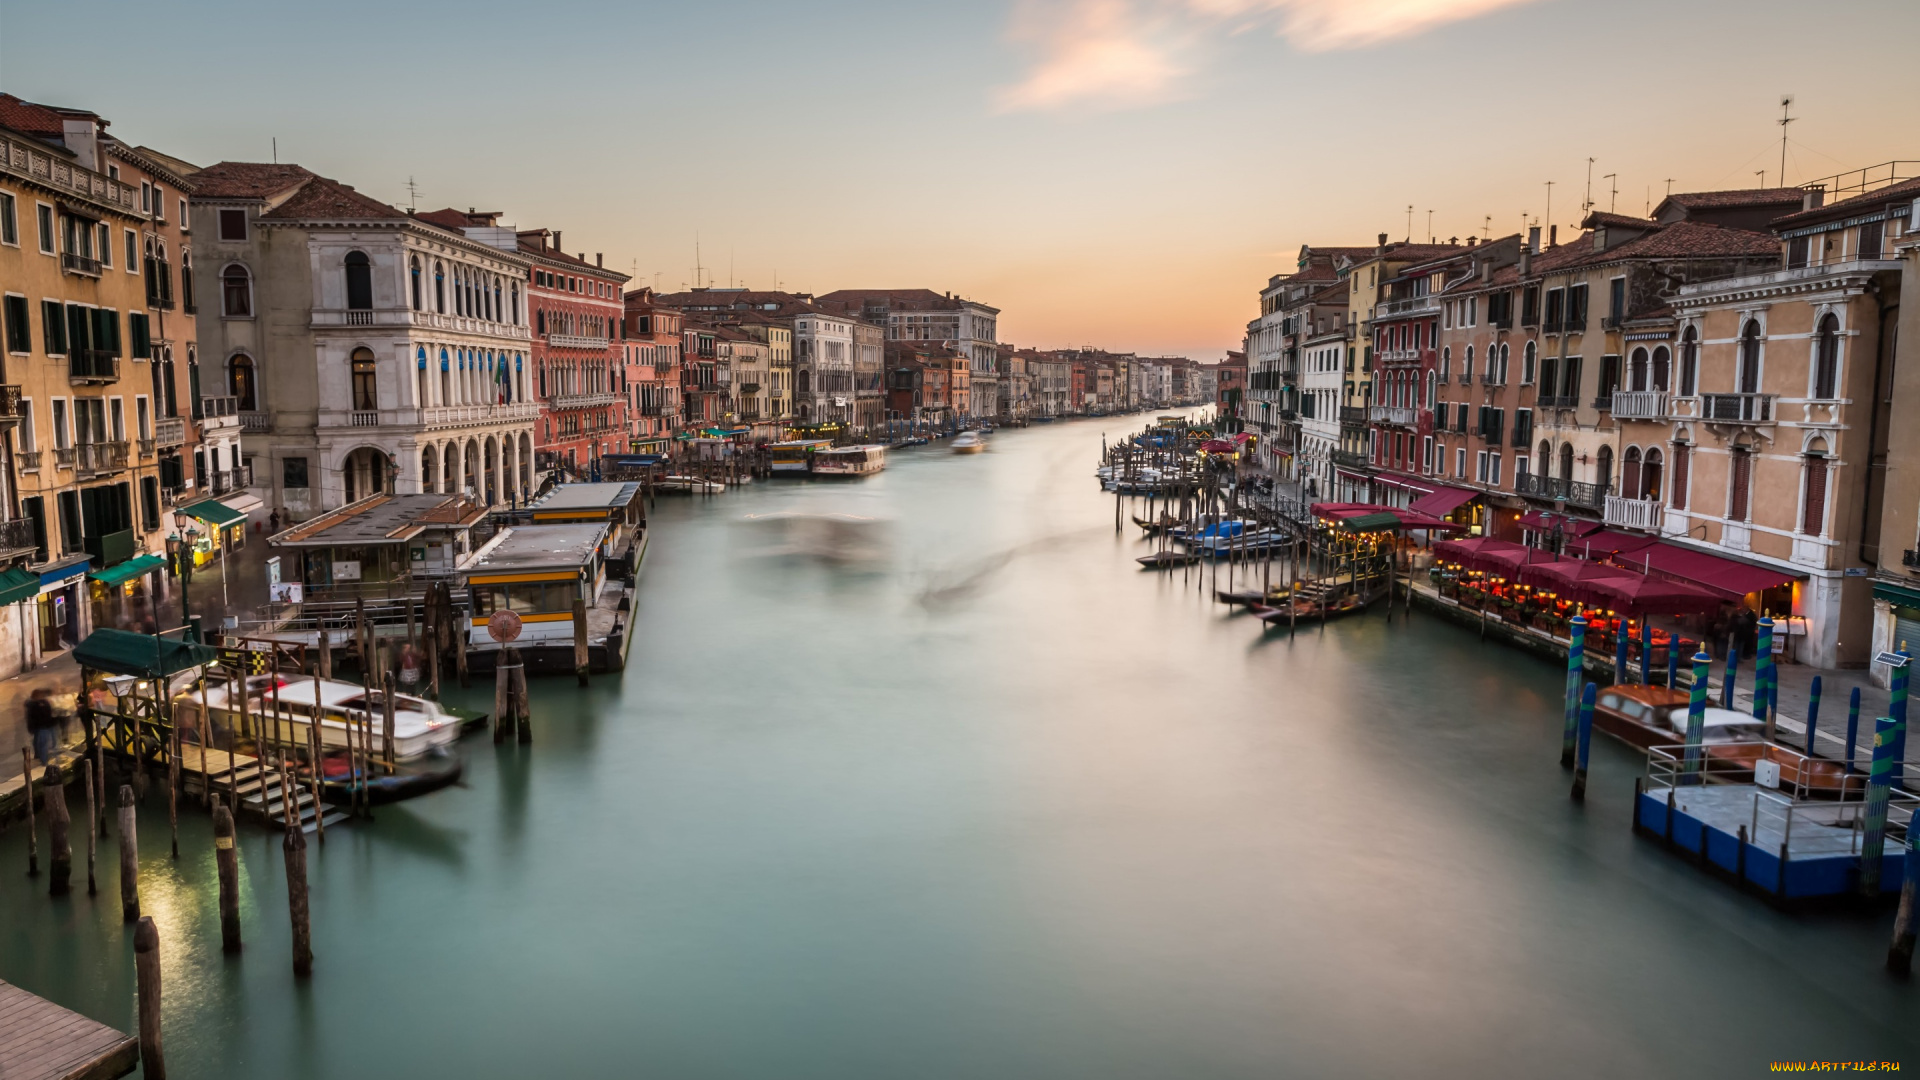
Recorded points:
(1586, 739)
(1887, 732)
(1897, 708)
(1813, 714)
(1697, 716)
(1762, 674)
(1900, 956)
(1853, 725)
(1576, 660)
(1731, 677)
(1646, 651)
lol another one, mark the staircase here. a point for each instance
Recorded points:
(247, 792)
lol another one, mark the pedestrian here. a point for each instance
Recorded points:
(1746, 631)
(42, 724)
(273, 522)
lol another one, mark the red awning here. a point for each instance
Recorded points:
(1543, 521)
(1443, 501)
(1407, 482)
(1730, 577)
(1609, 542)
(1486, 554)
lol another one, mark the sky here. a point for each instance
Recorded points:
(1119, 173)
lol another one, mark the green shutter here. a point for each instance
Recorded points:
(53, 326)
(137, 331)
(78, 324)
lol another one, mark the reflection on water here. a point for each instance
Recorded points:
(917, 775)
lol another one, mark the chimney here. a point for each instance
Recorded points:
(597, 260)
(1533, 240)
(1382, 245)
(1486, 271)
(1526, 257)
(1473, 241)
(1814, 197)
(556, 240)
(1553, 236)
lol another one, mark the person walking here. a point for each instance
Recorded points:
(42, 724)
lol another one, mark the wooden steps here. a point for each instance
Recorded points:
(243, 785)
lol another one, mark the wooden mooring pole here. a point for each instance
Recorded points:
(33, 835)
(146, 966)
(86, 778)
(226, 860)
(129, 857)
(295, 849)
(580, 639)
(53, 788)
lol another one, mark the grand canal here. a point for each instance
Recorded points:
(983, 800)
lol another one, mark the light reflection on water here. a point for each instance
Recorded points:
(986, 800)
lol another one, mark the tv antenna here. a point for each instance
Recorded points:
(1613, 196)
(1786, 117)
(1586, 204)
(413, 195)
(1549, 215)
(1409, 223)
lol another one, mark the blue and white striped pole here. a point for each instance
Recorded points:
(1887, 732)
(1646, 651)
(1813, 714)
(1762, 672)
(1673, 661)
(1586, 739)
(1576, 659)
(1697, 716)
(1732, 676)
(1620, 643)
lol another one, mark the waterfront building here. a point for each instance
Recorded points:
(1893, 549)
(749, 364)
(576, 311)
(653, 346)
(1230, 390)
(706, 380)
(922, 315)
(823, 347)
(371, 351)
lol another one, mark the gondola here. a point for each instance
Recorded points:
(1166, 560)
(410, 780)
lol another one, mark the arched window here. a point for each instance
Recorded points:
(1661, 362)
(1637, 370)
(1466, 366)
(516, 303)
(1527, 363)
(1630, 473)
(1543, 461)
(1749, 359)
(1446, 362)
(366, 394)
(1826, 357)
(1739, 482)
(186, 281)
(1566, 463)
(1682, 458)
(439, 288)
(1813, 503)
(1603, 469)
(414, 283)
(1650, 474)
(1689, 362)
(236, 292)
(1506, 354)
(240, 383)
(359, 281)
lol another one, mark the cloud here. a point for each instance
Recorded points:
(1098, 53)
(1115, 54)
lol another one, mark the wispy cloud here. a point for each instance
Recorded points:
(1109, 54)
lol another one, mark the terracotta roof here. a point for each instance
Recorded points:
(535, 248)
(1905, 191)
(446, 219)
(1599, 218)
(324, 198)
(1694, 240)
(30, 119)
(1699, 200)
(247, 180)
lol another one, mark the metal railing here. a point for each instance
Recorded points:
(17, 535)
(1639, 405)
(63, 456)
(79, 264)
(1634, 513)
(1557, 401)
(170, 431)
(1352, 414)
(28, 460)
(1390, 414)
(1738, 408)
(146, 447)
(92, 365)
(99, 457)
(1351, 459)
(1575, 492)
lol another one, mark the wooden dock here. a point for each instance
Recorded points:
(242, 773)
(42, 1041)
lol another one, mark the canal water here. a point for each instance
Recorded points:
(943, 786)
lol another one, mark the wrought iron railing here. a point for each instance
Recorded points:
(1575, 492)
(1738, 408)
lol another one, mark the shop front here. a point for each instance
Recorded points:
(1896, 624)
(63, 620)
(211, 528)
(127, 596)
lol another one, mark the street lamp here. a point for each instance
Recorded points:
(180, 549)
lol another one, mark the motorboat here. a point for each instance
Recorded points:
(1733, 742)
(968, 442)
(690, 485)
(283, 706)
(418, 776)
(850, 461)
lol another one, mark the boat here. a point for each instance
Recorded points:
(795, 457)
(1166, 560)
(1646, 717)
(1241, 543)
(689, 485)
(287, 701)
(1165, 523)
(1264, 598)
(968, 442)
(850, 461)
(1314, 600)
(408, 780)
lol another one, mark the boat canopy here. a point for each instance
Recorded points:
(121, 652)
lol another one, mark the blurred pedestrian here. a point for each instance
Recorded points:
(42, 724)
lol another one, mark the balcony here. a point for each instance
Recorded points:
(1491, 378)
(1639, 405)
(255, 420)
(9, 405)
(1413, 305)
(1574, 492)
(92, 366)
(576, 341)
(583, 401)
(109, 549)
(1350, 414)
(80, 264)
(1737, 408)
(63, 456)
(446, 416)
(1645, 514)
(214, 408)
(170, 431)
(146, 448)
(17, 536)
(228, 481)
(94, 458)
(1390, 414)
(28, 460)
(1558, 401)
(1351, 459)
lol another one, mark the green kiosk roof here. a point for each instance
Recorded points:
(126, 571)
(17, 584)
(122, 652)
(214, 512)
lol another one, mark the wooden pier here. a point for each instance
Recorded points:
(42, 1041)
(231, 775)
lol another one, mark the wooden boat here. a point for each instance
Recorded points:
(1166, 522)
(408, 781)
(1648, 716)
(1315, 601)
(1265, 598)
(1166, 560)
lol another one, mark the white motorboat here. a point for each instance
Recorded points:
(284, 705)
(968, 442)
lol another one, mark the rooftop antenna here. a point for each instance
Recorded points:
(1648, 212)
(413, 195)
(1409, 223)
(276, 149)
(696, 260)
(1786, 104)
(1430, 236)
(1669, 187)
(1486, 227)
(730, 282)
(1586, 204)
(1549, 216)
(1614, 195)
(1762, 174)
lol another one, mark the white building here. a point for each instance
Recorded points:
(367, 350)
(922, 315)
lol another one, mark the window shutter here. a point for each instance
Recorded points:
(1814, 517)
(138, 331)
(1677, 495)
(1741, 475)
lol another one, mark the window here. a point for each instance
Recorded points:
(1609, 380)
(60, 435)
(1493, 469)
(366, 396)
(1527, 362)
(1466, 366)
(1570, 378)
(1826, 357)
(105, 245)
(1661, 362)
(1813, 512)
(359, 281)
(1426, 454)
(1522, 427)
(1798, 250)
(19, 333)
(1749, 359)
(1637, 374)
(45, 221)
(9, 220)
(149, 504)
(1576, 308)
(1556, 303)
(1617, 299)
(140, 334)
(413, 280)
(1480, 473)
(53, 327)
(293, 472)
(133, 252)
(439, 289)
(1689, 363)
(1446, 361)
(1566, 463)
(186, 281)
(142, 417)
(241, 383)
(1739, 481)
(1871, 235)
(1460, 462)
(236, 292)
(233, 226)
